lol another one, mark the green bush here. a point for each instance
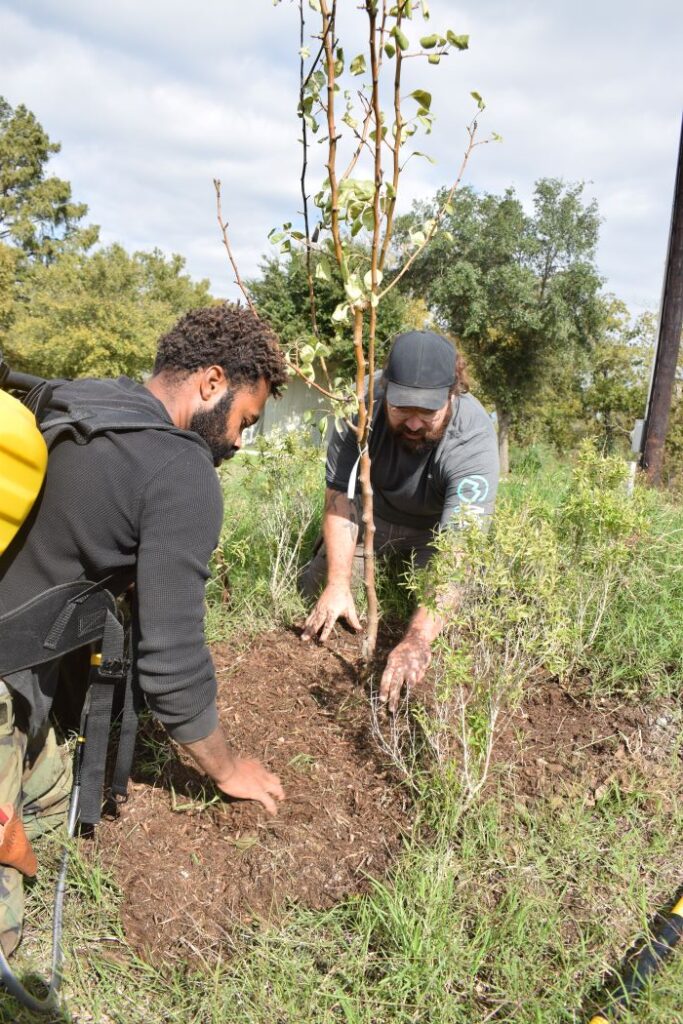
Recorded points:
(273, 511)
(576, 577)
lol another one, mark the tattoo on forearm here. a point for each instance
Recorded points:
(338, 504)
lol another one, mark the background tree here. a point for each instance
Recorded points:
(598, 393)
(518, 290)
(37, 213)
(615, 386)
(98, 314)
(281, 295)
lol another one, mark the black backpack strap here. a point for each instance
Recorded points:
(54, 623)
(127, 734)
(107, 669)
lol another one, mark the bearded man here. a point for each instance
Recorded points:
(433, 452)
(144, 507)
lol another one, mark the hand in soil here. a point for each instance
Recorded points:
(406, 665)
(249, 780)
(335, 602)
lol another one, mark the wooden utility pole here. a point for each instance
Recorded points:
(668, 340)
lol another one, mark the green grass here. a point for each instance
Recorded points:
(514, 916)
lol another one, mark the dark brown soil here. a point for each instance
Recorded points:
(191, 873)
(193, 866)
(561, 746)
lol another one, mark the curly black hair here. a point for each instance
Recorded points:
(228, 336)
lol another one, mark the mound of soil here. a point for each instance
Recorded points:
(190, 872)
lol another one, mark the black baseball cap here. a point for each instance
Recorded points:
(420, 371)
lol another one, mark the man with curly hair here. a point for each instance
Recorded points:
(140, 507)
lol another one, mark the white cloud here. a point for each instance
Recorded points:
(152, 100)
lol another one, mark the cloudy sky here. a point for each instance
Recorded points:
(152, 99)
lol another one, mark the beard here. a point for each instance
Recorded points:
(421, 441)
(210, 425)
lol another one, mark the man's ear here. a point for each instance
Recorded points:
(212, 383)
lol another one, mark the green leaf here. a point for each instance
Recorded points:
(350, 120)
(461, 42)
(425, 155)
(322, 270)
(305, 52)
(357, 65)
(341, 313)
(475, 96)
(425, 9)
(368, 219)
(423, 98)
(427, 42)
(434, 58)
(401, 38)
(353, 288)
(389, 50)
(367, 279)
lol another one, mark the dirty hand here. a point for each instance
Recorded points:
(335, 602)
(249, 780)
(407, 665)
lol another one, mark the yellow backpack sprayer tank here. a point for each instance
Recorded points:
(23, 462)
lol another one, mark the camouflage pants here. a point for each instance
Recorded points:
(35, 776)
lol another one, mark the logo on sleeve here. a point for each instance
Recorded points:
(473, 488)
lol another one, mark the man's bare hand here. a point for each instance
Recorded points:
(335, 602)
(406, 666)
(249, 780)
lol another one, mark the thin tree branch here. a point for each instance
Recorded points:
(226, 242)
(328, 42)
(363, 136)
(398, 120)
(471, 132)
(304, 165)
(240, 283)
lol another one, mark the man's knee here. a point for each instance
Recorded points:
(11, 908)
(47, 786)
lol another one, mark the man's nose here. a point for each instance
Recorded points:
(238, 441)
(414, 423)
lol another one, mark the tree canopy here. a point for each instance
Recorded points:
(37, 212)
(520, 291)
(66, 309)
(99, 314)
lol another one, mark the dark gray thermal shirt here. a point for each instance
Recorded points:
(424, 490)
(143, 507)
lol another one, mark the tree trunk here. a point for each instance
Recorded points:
(504, 420)
(364, 414)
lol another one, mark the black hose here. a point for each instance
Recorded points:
(50, 1000)
(642, 962)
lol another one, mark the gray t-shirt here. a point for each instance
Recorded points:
(424, 490)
